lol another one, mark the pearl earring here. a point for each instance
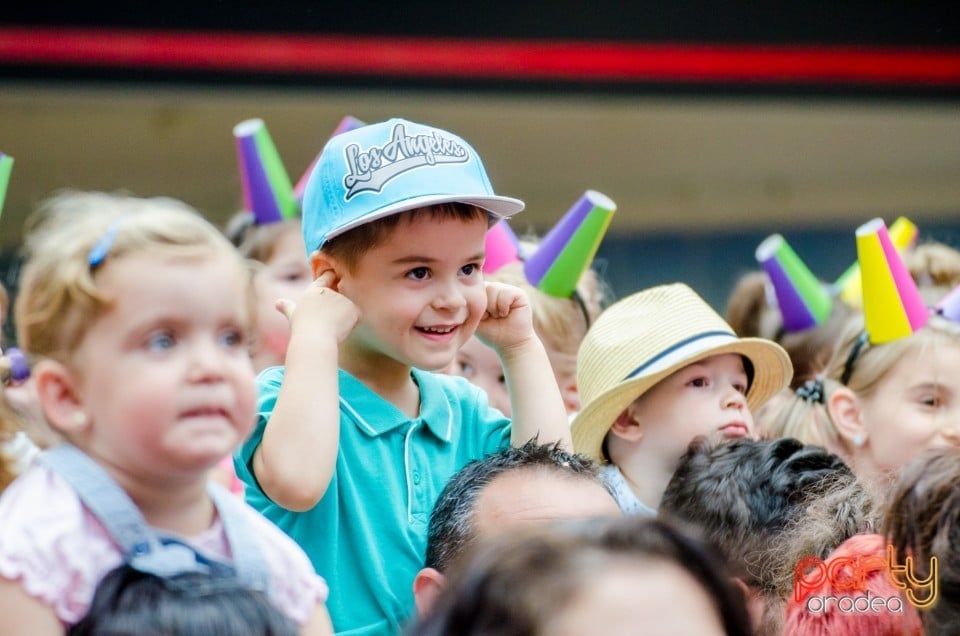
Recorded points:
(79, 418)
(859, 439)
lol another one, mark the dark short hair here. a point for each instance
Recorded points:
(743, 494)
(451, 521)
(128, 601)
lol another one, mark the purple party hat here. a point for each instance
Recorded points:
(804, 301)
(567, 250)
(267, 192)
(949, 305)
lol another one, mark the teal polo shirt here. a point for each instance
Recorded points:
(367, 536)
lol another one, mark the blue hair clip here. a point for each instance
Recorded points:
(98, 253)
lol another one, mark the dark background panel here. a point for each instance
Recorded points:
(816, 21)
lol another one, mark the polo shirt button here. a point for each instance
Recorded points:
(416, 478)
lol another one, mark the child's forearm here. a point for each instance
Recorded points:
(535, 398)
(319, 624)
(25, 614)
(298, 453)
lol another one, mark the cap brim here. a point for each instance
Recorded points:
(498, 207)
(772, 371)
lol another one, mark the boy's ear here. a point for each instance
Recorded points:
(627, 427)
(844, 409)
(427, 586)
(321, 263)
(59, 397)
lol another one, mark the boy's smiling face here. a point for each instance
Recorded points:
(707, 397)
(420, 291)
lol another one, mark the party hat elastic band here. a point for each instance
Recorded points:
(892, 305)
(502, 247)
(567, 250)
(949, 306)
(6, 167)
(267, 192)
(347, 123)
(849, 287)
(802, 299)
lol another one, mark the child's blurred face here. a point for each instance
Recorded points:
(705, 398)
(480, 364)
(285, 275)
(420, 291)
(916, 406)
(164, 376)
(652, 597)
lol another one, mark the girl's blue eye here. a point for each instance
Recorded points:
(418, 273)
(233, 338)
(160, 341)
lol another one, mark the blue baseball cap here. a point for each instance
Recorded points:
(390, 167)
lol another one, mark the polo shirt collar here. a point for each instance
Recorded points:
(375, 416)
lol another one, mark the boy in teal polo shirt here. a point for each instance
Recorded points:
(355, 435)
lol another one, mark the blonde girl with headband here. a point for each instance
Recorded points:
(138, 314)
(892, 388)
(566, 295)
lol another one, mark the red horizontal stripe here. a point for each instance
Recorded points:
(478, 59)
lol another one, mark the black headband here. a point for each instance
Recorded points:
(862, 340)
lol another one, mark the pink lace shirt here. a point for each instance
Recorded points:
(59, 551)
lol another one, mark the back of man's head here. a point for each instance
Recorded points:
(454, 523)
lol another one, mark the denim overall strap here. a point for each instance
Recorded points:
(141, 545)
(104, 498)
(248, 558)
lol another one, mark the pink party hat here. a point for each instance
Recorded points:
(949, 305)
(903, 234)
(803, 300)
(567, 250)
(892, 305)
(267, 192)
(6, 167)
(347, 123)
(502, 247)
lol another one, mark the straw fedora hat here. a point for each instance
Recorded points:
(643, 338)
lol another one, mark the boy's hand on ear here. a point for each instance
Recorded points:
(508, 320)
(321, 309)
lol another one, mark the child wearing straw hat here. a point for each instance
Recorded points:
(892, 388)
(656, 370)
(356, 436)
